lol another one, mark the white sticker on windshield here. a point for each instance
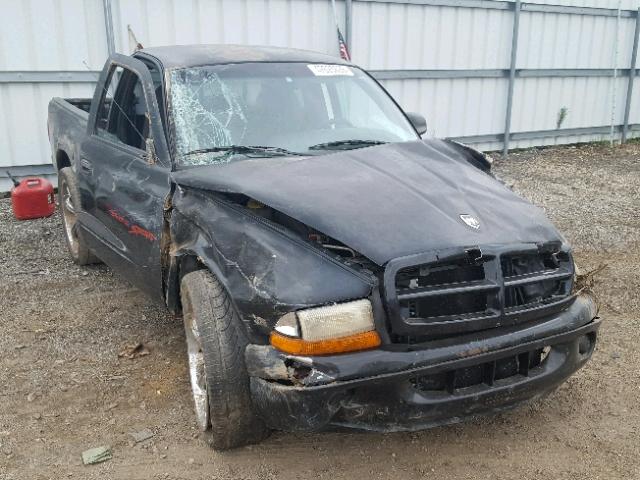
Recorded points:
(323, 70)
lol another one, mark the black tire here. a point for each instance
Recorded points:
(69, 201)
(232, 421)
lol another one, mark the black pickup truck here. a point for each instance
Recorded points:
(330, 266)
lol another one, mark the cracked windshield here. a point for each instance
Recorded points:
(263, 110)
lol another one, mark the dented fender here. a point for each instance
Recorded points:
(266, 270)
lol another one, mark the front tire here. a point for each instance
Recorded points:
(69, 200)
(219, 381)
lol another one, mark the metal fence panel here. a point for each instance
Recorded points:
(551, 40)
(23, 123)
(587, 100)
(306, 24)
(396, 36)
(44, 37)
(634, 114)
(625, 4)
(454, 107)
(51, 35)
(420, 39)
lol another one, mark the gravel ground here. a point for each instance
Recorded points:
(65, 390)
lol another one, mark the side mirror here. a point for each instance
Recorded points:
(418, 122)
(152, 157)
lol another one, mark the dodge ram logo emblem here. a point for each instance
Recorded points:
(470, 220)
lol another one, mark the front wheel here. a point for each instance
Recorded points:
(219, 379)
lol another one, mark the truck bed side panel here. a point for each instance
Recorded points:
(67, 129)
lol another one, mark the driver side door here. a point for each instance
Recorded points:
(123, 186)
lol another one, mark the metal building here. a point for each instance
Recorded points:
(491, 73)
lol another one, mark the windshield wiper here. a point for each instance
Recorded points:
(345, 144)
(245, 150)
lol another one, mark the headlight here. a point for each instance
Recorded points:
(339, 328)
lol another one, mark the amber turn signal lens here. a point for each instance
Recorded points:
(352, 343)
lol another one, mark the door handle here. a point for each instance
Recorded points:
(86, 166)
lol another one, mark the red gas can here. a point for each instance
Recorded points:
(32, 197)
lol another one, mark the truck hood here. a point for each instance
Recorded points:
(385, 201)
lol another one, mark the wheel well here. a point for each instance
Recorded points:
(62, 160)
(183, 265)
(188, 264)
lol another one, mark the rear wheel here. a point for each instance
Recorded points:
(69, 200)
(219, 381)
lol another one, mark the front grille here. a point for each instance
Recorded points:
(450, 292)
(483, 374)
(518, 268)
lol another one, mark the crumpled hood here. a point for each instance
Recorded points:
(386, 201)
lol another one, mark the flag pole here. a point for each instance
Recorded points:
(342, 45)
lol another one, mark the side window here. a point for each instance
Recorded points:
(123, 114)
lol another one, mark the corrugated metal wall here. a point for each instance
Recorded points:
(408, 43)
(306, 24)
(42, 36)
(553, 41)
(391, 36)
(415, 37)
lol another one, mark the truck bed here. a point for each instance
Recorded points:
(80, 103)
(67, 126)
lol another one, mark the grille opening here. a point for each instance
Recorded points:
(478, 291)
(484, 373)
(524, 263)
(445, 305)
(440, 274)
(537, 293)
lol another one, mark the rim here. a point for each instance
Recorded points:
(196, 370)
(69, 218)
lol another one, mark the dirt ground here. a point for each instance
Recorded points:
(63, 388)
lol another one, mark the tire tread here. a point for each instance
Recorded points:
(233, 420)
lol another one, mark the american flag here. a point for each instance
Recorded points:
(344, 51)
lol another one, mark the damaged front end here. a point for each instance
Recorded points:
(502, 325)
(394, 316)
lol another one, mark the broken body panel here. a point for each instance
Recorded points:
(471, 286)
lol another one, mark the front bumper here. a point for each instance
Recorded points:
(384, 389)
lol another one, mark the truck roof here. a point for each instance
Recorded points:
(180, 56)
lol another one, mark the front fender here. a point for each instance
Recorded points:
(266, 270)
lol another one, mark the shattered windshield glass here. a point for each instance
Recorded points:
(278, 109)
